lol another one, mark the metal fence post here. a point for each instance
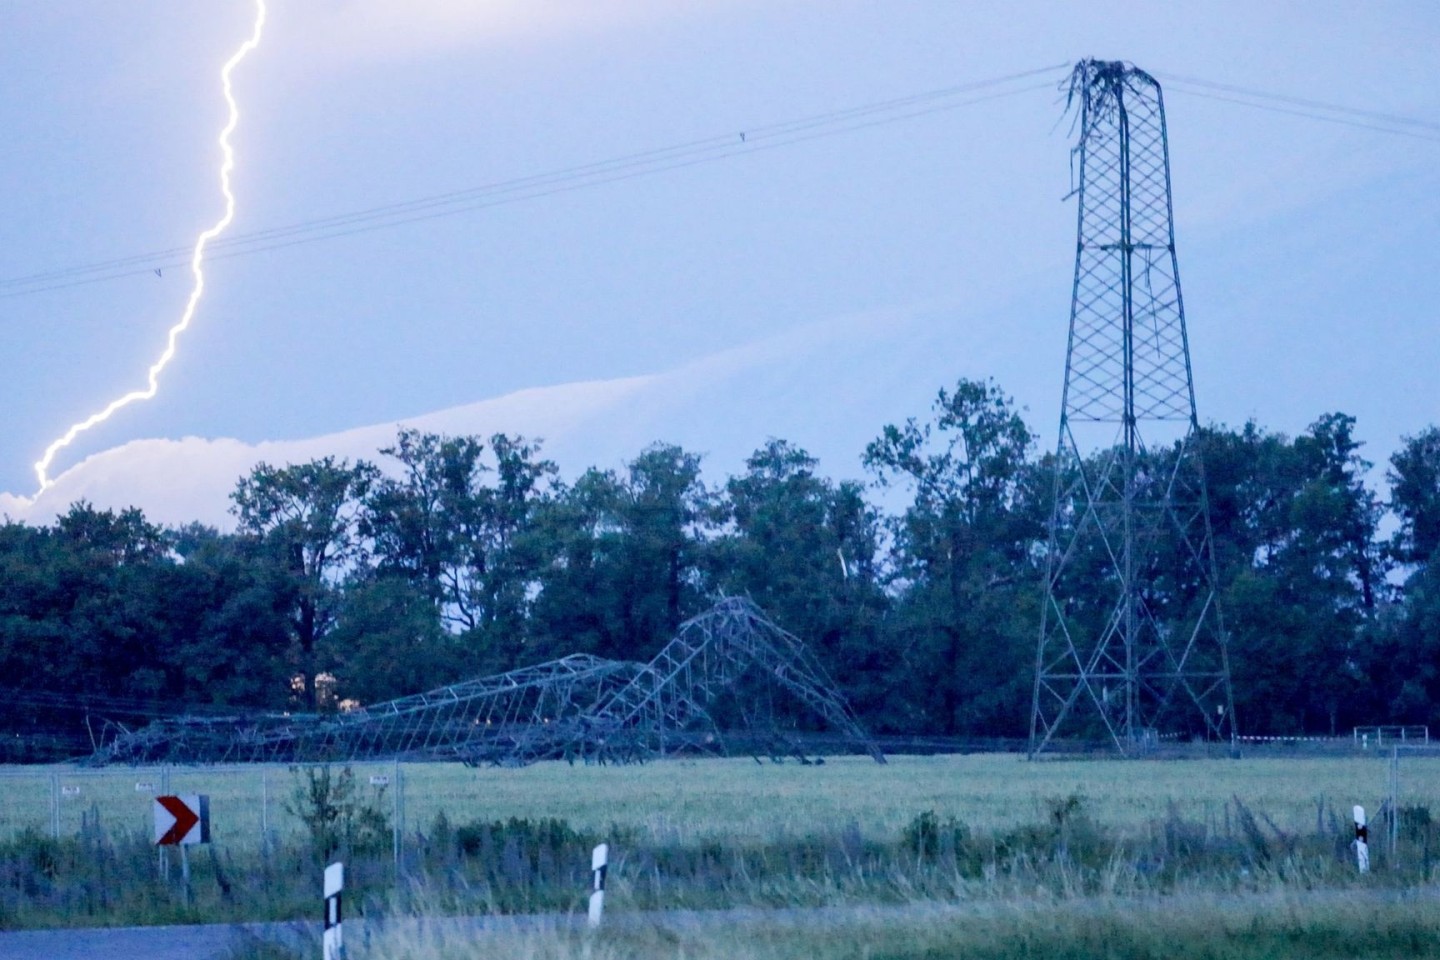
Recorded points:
(264, 808)
(54, 805)
(396, 817)
(1394, 807)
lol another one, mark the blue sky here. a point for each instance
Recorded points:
(869, 268)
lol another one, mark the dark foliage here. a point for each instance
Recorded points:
(457, 557)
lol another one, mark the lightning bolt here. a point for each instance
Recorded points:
(42, 466)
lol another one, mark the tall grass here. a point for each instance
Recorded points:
(739, 800)
(523, 865)
(986, 857)
(1192, 928)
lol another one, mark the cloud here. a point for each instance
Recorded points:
(178, 481)
(819, 385)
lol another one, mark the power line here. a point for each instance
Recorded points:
(1311, 116)
(676, 156)
(1394, 118)
(565, 186)
(1392, 123)
(125, 706)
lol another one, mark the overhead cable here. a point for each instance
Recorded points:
(709, 149)
(1392, 123)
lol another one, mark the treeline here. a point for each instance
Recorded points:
(453, 557)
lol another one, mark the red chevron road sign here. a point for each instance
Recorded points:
(182, 820)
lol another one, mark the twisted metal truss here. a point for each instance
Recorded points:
(1132, 645)
(732, 657)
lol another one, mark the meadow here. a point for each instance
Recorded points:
(1104, 858)
(739, 800)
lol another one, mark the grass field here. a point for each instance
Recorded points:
(1125, 859)
(738, 800)
(1280, 927)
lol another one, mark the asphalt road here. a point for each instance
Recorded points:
(206, 942)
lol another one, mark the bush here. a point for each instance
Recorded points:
(549, 834)
(335, 817)
(928, 837)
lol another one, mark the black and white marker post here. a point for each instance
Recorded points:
(333, 945)
(1362, 840)
(599, 861)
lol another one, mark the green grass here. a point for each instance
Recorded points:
(742, 801)
(1115, 859)
(1263, 928)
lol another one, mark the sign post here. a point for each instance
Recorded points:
(179, 822)
(599, 864)
(333, 944)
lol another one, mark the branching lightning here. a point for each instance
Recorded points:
(42, 467)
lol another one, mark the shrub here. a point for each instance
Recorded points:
(335, 817)
(928, 837)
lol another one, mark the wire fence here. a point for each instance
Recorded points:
(252, 803)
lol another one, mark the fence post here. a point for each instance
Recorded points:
(54, 805)
(1394, 807)
(264, 808)
(396, 816)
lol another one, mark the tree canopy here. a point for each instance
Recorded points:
(451, 557)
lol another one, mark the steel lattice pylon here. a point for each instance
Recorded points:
(578, 707)
(1132, 644)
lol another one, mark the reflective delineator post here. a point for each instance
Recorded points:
(333, 944)
(1362, 841)
(599, 859)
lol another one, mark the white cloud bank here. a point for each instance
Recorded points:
(177, 481)
(821, 386)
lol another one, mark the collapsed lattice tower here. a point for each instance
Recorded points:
(1132, 644)
(724, 668)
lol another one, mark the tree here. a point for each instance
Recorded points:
(102, 580)
(469, 546)
(388, 642)
(89, 619)
(1414, 478)
(231, 600)
(111, 538)
(1300, 571)
(666, 512)
(623, 560)
(579, 533)
(308, 515)
(1337, 502)
(1404, 664)
(806, 550)
(418, 522)
(962, 564)
(501, 542)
